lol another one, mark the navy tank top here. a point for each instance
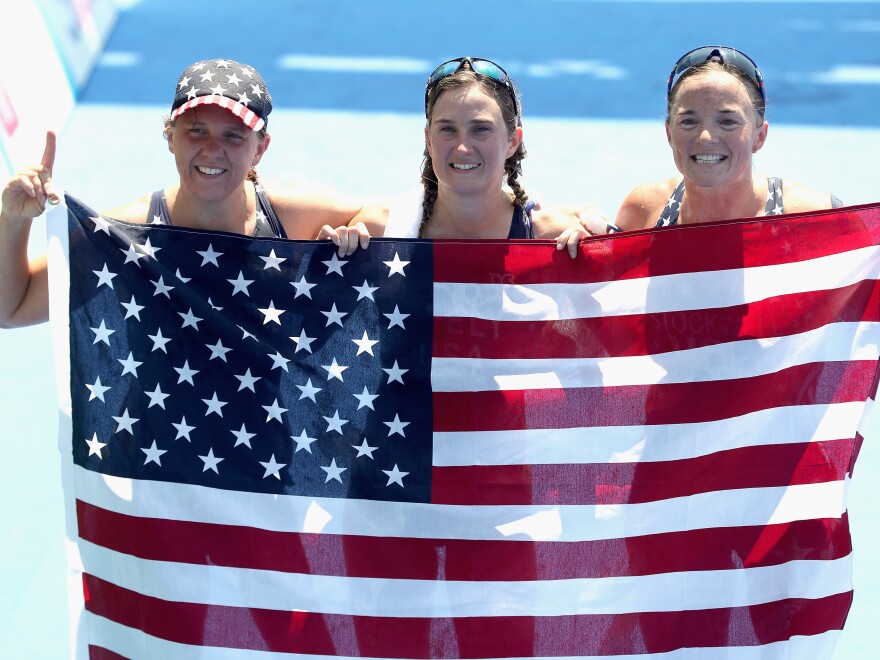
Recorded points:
(268, 225)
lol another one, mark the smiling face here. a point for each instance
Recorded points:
(213, 151)
(713, 129)
(468, 140)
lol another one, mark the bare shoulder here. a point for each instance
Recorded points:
(798, 198)
(135, 211)
(643, 204)
(374, 216)
(304, 208)
(548, 222)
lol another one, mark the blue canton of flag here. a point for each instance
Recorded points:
(248, 364)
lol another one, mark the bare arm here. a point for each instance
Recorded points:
(797, 198)
(24, 294)
(643, 205)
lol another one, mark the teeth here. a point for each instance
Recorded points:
(209, 170)
(465, 166)
(706, 158)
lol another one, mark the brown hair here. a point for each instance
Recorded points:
(512, 166)
(754, 91)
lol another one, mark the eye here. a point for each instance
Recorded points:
(196, 130)
(235, 136)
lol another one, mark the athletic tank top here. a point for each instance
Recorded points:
(772, 207)
(267, 225)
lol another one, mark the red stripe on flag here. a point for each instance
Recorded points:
(680, 249)
(633, 483)
(100, 653)
(474, 637)
(645, 334)
(636, 405)
(416, 558)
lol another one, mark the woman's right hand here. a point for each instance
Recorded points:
(26, 194)
(346, 238)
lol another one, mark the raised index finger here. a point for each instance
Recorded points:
(49, 152)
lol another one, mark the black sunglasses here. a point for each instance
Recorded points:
(486, 68)
(723, 54)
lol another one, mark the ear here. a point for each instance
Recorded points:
(262, 145)
(515, 140)
(761, 137)
(427, 140)
(168, 134)
(668, 134)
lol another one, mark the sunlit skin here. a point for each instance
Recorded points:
(213, 152)
(468, 143)
(714, 130)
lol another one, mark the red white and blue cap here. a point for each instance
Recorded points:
(230, 85)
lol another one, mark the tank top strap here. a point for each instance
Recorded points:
(158, 212)
(670, 211)
(521, 221)
(774, 204)
(268, 224)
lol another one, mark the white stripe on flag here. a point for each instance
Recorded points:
(735, 508)
(662, 293)
(136, 644)
(245, 587)
(838, 342)
(642, 444)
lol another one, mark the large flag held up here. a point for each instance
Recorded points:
(466, 449)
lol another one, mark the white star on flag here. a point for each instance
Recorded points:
(97, 390)
(303, 288)
(333, 472)
(183, 429)
(240, 285)
(396, 426)
(395, 476)
(242, 437)
(272, 467)
(396, 265)
(211, 461)
(153, 454)
(209, 255)
(303, 441)
(95, 446)
(334, 370)
(273, 262)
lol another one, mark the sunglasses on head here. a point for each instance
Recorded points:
(486, 68)
(722, 54)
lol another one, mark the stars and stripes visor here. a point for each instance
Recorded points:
(225, 83)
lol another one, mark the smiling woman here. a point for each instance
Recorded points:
(472, 163)
(715, 124)
(217, 132)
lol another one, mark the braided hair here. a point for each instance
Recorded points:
(512, 166)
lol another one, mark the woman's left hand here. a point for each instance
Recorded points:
(346, 238)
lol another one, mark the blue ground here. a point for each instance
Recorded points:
(348, 78)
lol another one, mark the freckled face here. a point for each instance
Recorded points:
(213, 151)
(468, 140)
(713, 129)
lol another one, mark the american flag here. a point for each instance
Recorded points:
(466, 449)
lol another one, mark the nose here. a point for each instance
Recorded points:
(706, 134)
(211, 144)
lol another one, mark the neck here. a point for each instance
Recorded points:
(743, 199)
(235, 213)
(462, 216)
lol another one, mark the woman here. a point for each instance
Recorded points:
(715, 123)
(217, 133)
(473, 145)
